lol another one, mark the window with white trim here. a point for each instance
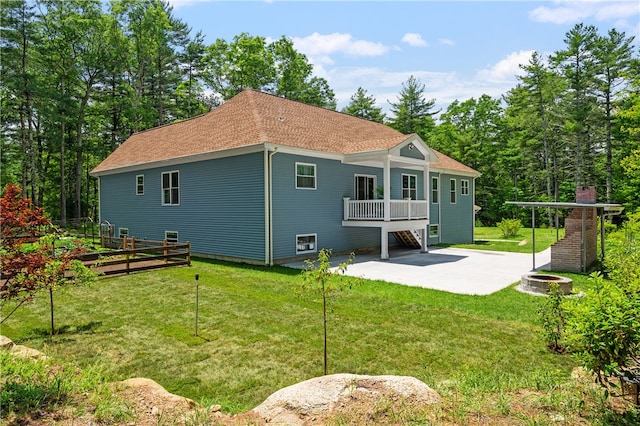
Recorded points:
(464, 187)
(452, 191)
(365, 187)
(170, 188)
(123, 232)
(434, 231)
(409, 186)
(305, 176)
(140, 185)
(306, 243)
(435, 184)
(171, 236)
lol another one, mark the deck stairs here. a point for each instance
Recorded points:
(408, 238)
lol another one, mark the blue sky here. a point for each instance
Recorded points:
(457, 49)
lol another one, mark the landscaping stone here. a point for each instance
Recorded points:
(6, 343)
(304, 403)
(19, 350)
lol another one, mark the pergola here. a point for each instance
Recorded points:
(602, 209)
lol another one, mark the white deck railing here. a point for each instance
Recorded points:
(374, 209)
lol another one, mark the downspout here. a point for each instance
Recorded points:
(473, 210)
(269, 206)
(440, 227)
(267, 198)
(99, 202)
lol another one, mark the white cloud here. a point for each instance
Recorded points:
(506, 69)
(563, 12)
(319, 47)
(414, 40)
(444, 87)
(446, 41)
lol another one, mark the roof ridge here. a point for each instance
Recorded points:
(172, 123)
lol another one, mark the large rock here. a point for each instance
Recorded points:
(309, 401)
(20, 350)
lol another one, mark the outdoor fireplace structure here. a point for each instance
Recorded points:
(577, 251)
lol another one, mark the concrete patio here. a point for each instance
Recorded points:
(454, 270)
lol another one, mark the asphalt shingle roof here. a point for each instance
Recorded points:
(253, 118)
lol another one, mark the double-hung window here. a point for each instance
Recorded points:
(305, 176)
(452, 191)
(140, 185)
(409, 186)
(170, 188)
(464, 187)
(434, 189)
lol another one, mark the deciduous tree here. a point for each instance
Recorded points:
(29, 262)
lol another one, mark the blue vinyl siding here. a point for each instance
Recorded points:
(396, 183)
(316, 211)
(221, 208)
(456, 220)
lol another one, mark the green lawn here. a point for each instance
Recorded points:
(257, 335)
(490, 238)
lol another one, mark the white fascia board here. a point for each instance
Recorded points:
(454, 172)
(303, 152)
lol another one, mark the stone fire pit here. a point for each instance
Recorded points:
(539, 283)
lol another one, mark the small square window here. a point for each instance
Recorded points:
(123, 232)
(306, 243)
(305, 176)
(140, 185)
(434, 231)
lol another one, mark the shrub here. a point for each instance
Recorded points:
(509, 227)
(603, 328)
(552, 315)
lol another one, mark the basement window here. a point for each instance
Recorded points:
(434, 231)
(306, 243)
(171, 236)
(123, 232)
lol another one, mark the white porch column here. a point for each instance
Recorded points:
(387, 189)
(424, 234)
(424, 247)
(384, 243)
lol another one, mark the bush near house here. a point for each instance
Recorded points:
(509, 227)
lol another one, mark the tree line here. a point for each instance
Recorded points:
(78, 78)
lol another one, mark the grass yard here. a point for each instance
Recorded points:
(490, 238)
(484, 354)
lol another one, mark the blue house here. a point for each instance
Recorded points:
(263, 179)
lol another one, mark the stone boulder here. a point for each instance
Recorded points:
(20, 350)
(313, 400)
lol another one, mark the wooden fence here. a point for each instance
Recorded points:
(133, 255)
